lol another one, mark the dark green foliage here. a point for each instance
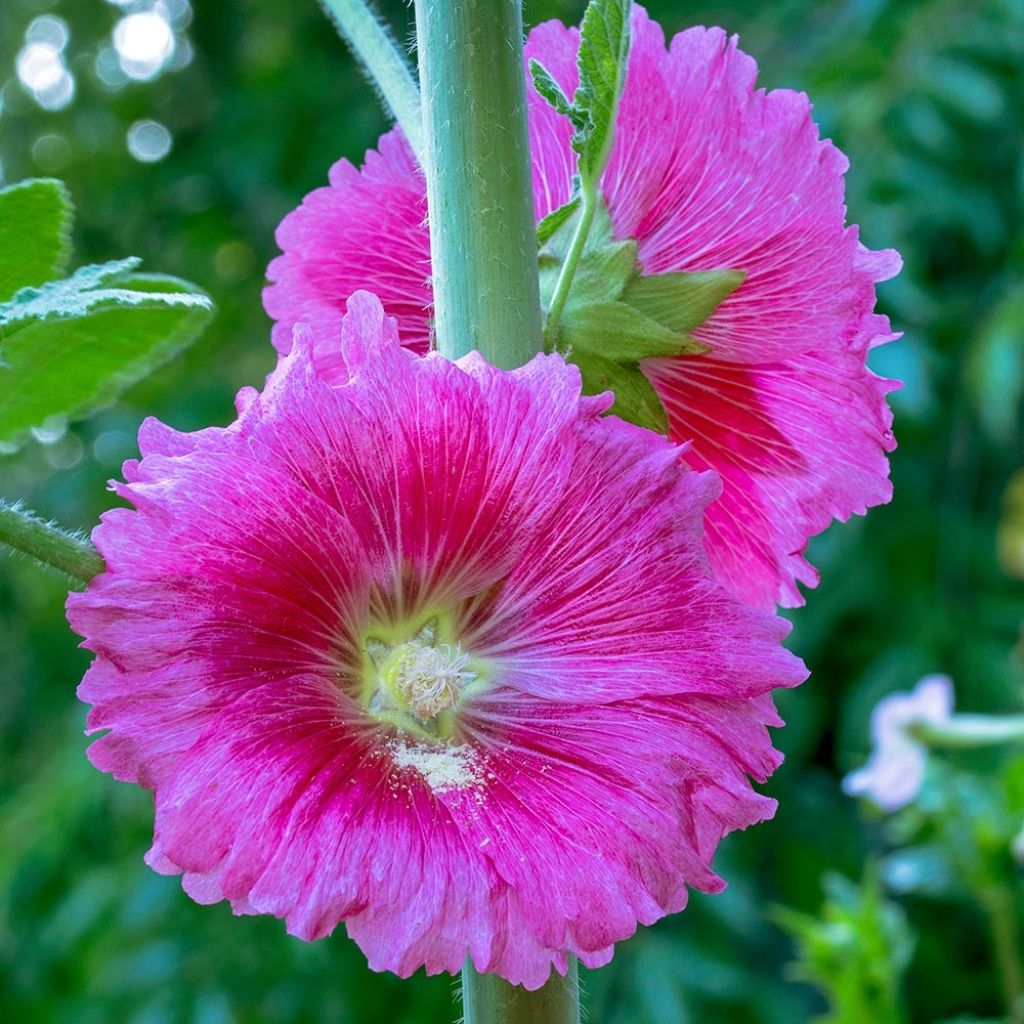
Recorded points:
(926, 99)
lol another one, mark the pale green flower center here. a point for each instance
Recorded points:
(417, 683)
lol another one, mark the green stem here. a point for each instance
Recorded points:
(486, 999)
(968, 731)
(47, 543)
(1001, 907)
(483, 234)
(373, 44)
(588, 207)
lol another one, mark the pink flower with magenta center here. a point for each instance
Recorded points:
(707, 173)
(432, 650)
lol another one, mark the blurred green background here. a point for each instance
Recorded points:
(186, 145)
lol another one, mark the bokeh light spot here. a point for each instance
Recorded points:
(149, 141)
(145, 43)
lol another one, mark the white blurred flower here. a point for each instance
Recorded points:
(895, 771)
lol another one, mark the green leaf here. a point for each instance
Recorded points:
(855, 950)
(64, 364)
(635, 399)
(555, 219)
(682, 301)
(994, 376)
(35, 227)
(549, 89)
(84, 293)
(602, 60)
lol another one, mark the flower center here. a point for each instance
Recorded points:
(417, 683)
(425, 680)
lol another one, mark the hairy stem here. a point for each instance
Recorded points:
(388, 68)
(47, 543)
(487, 999)
(483, 234)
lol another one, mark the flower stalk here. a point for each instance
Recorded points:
(1000, 906)
(588, 207)
(483, 238)
(964, 732)
(488, 999)
(47, 543)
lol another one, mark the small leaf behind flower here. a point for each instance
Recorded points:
(546, 85)
(602, 62)
(555, 219)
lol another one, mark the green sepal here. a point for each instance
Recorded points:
(615, 316)
(620, 333)
(35, 234)
(682, 301)
(635, 398)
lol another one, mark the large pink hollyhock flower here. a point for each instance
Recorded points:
(434, 651)
(707, 173)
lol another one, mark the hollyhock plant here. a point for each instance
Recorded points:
(432, 649)
(707, 174)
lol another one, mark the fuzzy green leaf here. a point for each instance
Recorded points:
(549, 89)
(86, 292)
(35, 227)
(602, 60)
(82, 348)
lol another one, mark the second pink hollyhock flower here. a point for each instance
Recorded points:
(707, 173)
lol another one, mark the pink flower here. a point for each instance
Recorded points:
(434, 651)
(895, 772)
(707, 173)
